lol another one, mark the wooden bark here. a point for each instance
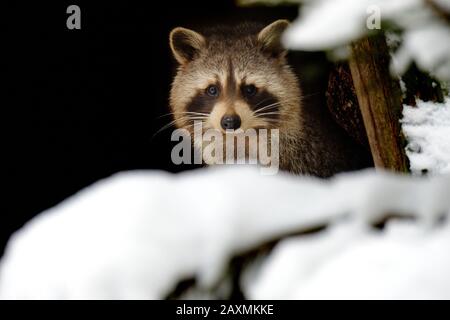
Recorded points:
(380, 101)
(343, 103)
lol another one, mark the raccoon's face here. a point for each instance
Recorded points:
(235, 80)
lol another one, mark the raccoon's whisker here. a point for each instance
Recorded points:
(167, 126)
(165, 115)
(198, 119)
(273, 105)
(170, 124)
(286, 100)
(190, 126)
(270, 106)
(282, 101)
(265, 118)
(195, 113)
(267, 113)
(269, 120)
(194, 120)
(262, 101)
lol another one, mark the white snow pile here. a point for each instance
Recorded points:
(331, 24)
(404, 262)
(427, 129)
(136, 234)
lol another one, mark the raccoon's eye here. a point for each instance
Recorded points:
(212, 91)
(249, 90)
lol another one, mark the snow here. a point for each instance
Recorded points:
(427, 129)
(404, 262)
(326, 24)
(429, 47)
(136, 234)
(331, 24)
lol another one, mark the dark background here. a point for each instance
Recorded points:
(80, 105)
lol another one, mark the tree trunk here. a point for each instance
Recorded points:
(380, 101)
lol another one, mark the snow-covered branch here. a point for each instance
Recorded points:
(137, 234)
(332, 24)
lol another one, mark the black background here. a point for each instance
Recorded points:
(166, 309)
(79, 105)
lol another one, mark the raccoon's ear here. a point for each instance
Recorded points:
(270, 38)
(185, 44)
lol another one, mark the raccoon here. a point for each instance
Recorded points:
(238, 77)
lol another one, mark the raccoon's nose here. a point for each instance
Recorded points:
(231, 122)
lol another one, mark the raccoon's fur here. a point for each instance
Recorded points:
(241, 72)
